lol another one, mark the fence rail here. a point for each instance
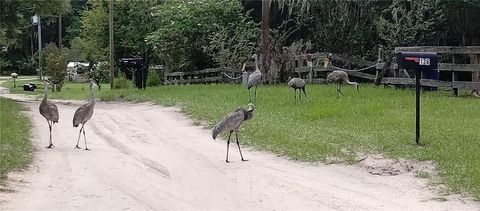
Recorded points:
(209, 75)
(442, 49)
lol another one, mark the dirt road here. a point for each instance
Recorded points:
(146, 157)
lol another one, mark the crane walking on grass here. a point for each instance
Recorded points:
(254, 79)
(83, 114)
(339, 77)
(298, 83)
(49, 111)
(231, 123)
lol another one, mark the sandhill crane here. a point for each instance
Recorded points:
(232, 123)
(298, 83)
(49, 111)
(254, 79)
(339, 77)
(83, 114)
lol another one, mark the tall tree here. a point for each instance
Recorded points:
(184, 33)
(265, 41)
(132, 23)
(15, 28)
(287, 6)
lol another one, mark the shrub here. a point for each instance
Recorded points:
(56, 61)
(122, 83)
(153, 78)
(100, 73)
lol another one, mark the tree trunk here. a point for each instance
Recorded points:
(60, 44)
(111, 43)
(265, 39)
(475, 59)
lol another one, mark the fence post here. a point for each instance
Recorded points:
(379, 60)
(310, 66)
(454, 77)
(475, 59)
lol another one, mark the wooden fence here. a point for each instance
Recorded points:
(315, 67)
(210, 75)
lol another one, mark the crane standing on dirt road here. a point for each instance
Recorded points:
(298, 83)
(232, 123)
(339, 77)
(49, 111)
(254, 79)
(83, 114)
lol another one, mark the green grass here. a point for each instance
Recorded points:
(15, 146)
(378, 120)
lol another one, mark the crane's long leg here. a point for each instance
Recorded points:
(295, 95)
(228, 144)
(238, 144)
(303, 89)
(300, 96)
(255, 92)
(249, 96)
(85, 138)
(340, 89)
(336, 87)
(50, 128)
(78, 140)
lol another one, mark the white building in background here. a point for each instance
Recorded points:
(73, 69)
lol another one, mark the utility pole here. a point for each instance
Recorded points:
(265, 41)
(60, 44)
(40, 48)
(112, 65)
(36, 20)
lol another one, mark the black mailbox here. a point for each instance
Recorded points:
(424, 61)
(29, 87)
(141, 70)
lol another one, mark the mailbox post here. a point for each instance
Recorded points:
(14, 76)
(417, 61)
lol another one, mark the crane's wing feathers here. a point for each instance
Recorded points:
(296, 83)
(254, 79)
(79, 115)
(337, 76)
(331, 76)
(53, 110)
(299, 82)
(231, 122)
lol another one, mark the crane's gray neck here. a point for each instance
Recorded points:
(346, 80)
(46, 91)
(92, 94)
(256, 64)
(352, 83)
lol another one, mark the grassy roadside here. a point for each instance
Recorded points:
(377, 120)
(15, 145)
